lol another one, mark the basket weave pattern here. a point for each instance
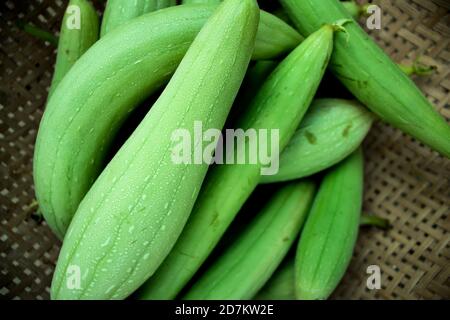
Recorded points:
(405, 181)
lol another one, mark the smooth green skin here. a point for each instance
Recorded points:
(329, 236)
(131, 217)
(73, 43)
(281, 284)
(118, 12)
(331, 131)
(279, 104)
(353, 8)
(117, 74)
(241, 271)
(371, 75)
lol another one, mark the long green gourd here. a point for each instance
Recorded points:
(279, 104)
(131, 217)
(351, 6)
(281, 286)
(329, 236)
(371, 75)
(117, 12)
(117, 74)
(79, 31)
(331, 131)
(254, 255)
(415, 68)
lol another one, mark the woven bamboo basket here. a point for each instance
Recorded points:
(406, 182)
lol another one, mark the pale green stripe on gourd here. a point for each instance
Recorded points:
(328, 238)
(135, 211)
(279, 104)
(256, 252)
(79, 31)
(372, 76)
(105, 85)
(331, 130)
(118, 12)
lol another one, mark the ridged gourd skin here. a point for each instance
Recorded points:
(74, 40)
(118, 12)
(279, 104)
(372, 76)
(257, 251)
(328, 238)
(281, 284)
(110, 80)
(331, 130)
(131, 217)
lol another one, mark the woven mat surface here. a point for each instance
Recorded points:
(405, 181)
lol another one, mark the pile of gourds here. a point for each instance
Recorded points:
(137, 220)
